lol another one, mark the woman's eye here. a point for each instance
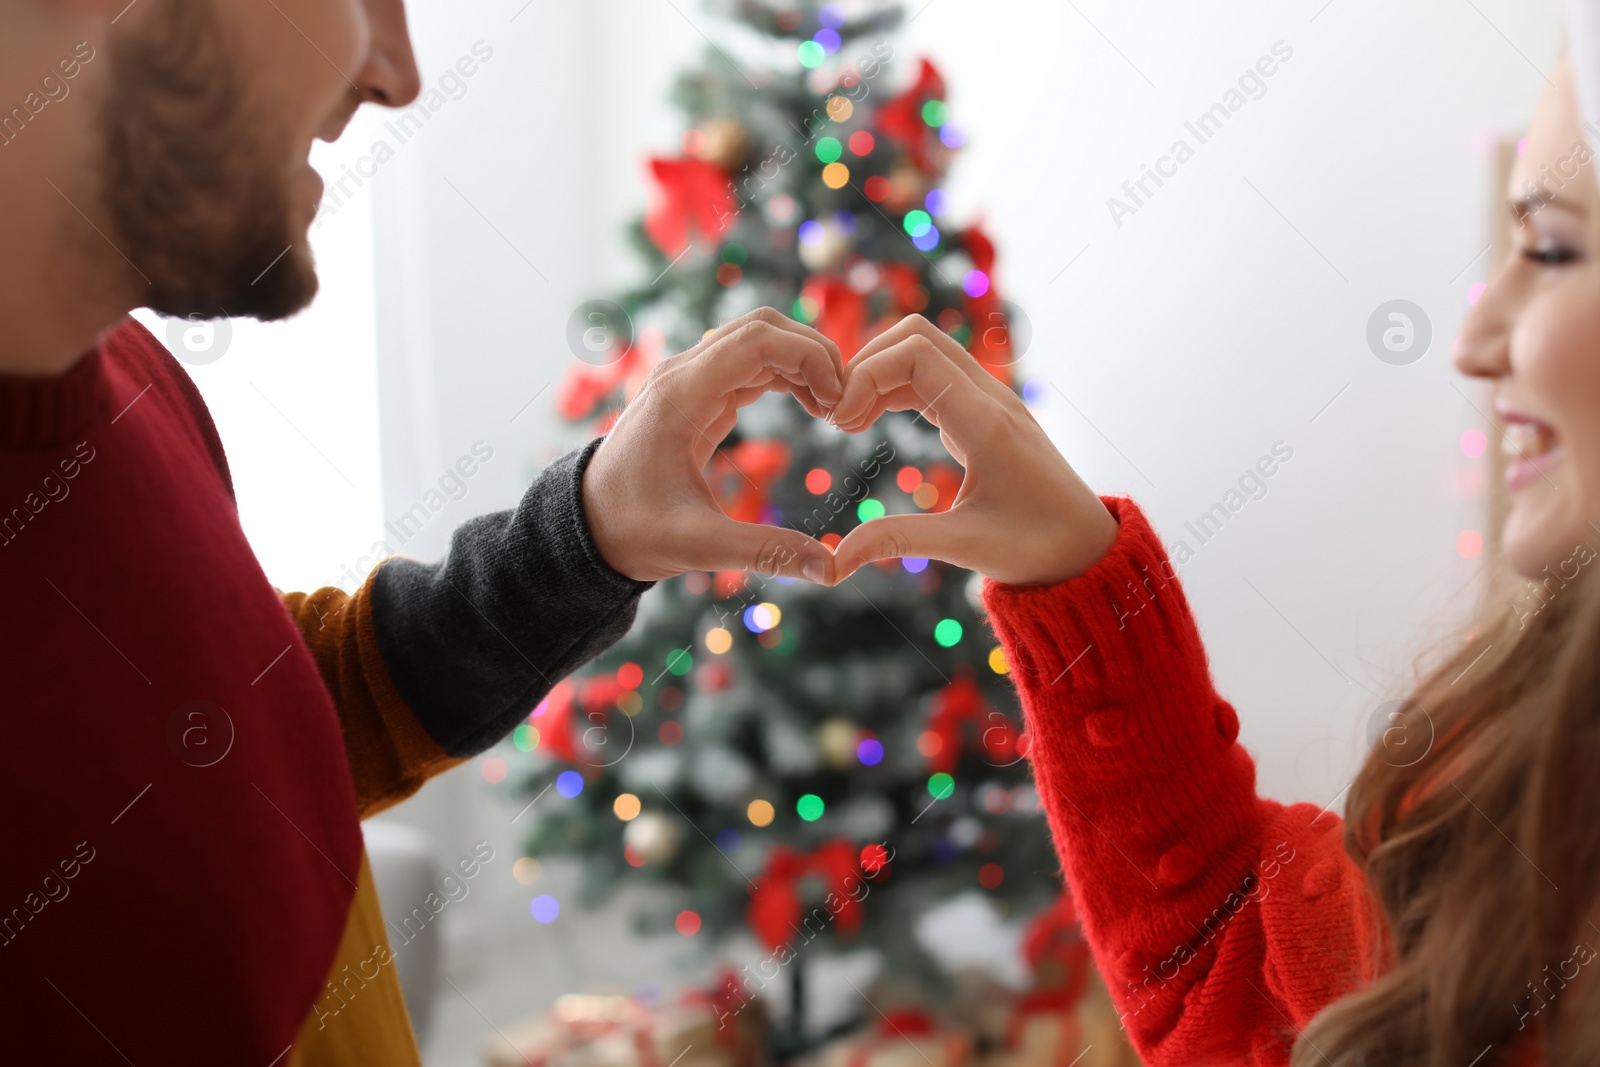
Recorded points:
(1550, 255)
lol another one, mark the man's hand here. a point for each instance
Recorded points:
(1023, 516)
(645, 495)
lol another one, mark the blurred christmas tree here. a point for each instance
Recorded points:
(757, 742)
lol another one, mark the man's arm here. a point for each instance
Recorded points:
(430, 664)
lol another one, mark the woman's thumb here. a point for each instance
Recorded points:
(897, 537)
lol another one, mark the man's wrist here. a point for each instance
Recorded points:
(593, 512)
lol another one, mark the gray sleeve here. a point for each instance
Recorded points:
(475, 641)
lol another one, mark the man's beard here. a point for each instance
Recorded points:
(196, 201)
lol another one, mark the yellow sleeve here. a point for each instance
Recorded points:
(390, 752)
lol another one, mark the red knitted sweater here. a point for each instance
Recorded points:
(1223, 922)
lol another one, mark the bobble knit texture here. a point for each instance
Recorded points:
(1222, 922)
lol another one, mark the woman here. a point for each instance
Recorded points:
(1451, 921)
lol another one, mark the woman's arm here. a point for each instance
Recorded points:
(1222, 922)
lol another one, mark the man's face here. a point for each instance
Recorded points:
(206, 134)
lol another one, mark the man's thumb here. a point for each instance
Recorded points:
(770, 551)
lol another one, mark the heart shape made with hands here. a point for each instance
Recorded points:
(1022, 515)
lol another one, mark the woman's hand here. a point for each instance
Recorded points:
(1023, 516)
(650, 511)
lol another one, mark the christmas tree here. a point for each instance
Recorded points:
(819, 767)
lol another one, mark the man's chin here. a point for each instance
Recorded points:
(282, 290)
(296, 286)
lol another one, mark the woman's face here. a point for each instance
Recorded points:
(1535, 333)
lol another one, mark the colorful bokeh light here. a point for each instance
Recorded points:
(760, 813)
(809, 807)
(918, 222)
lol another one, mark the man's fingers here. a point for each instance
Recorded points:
(751, 356)
(801, 356)
(917, 326)
(720, 544)
(941, 390)
(946, 536)
(772, 317)
(769, 317)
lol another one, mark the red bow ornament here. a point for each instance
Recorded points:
(742, 477)
(961, 704)
(775, 911)
(696, 200)
(900, 119)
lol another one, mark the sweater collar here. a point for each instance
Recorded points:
(37, 413)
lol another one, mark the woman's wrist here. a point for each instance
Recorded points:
(1088, 534)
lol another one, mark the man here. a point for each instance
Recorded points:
(187, 761)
